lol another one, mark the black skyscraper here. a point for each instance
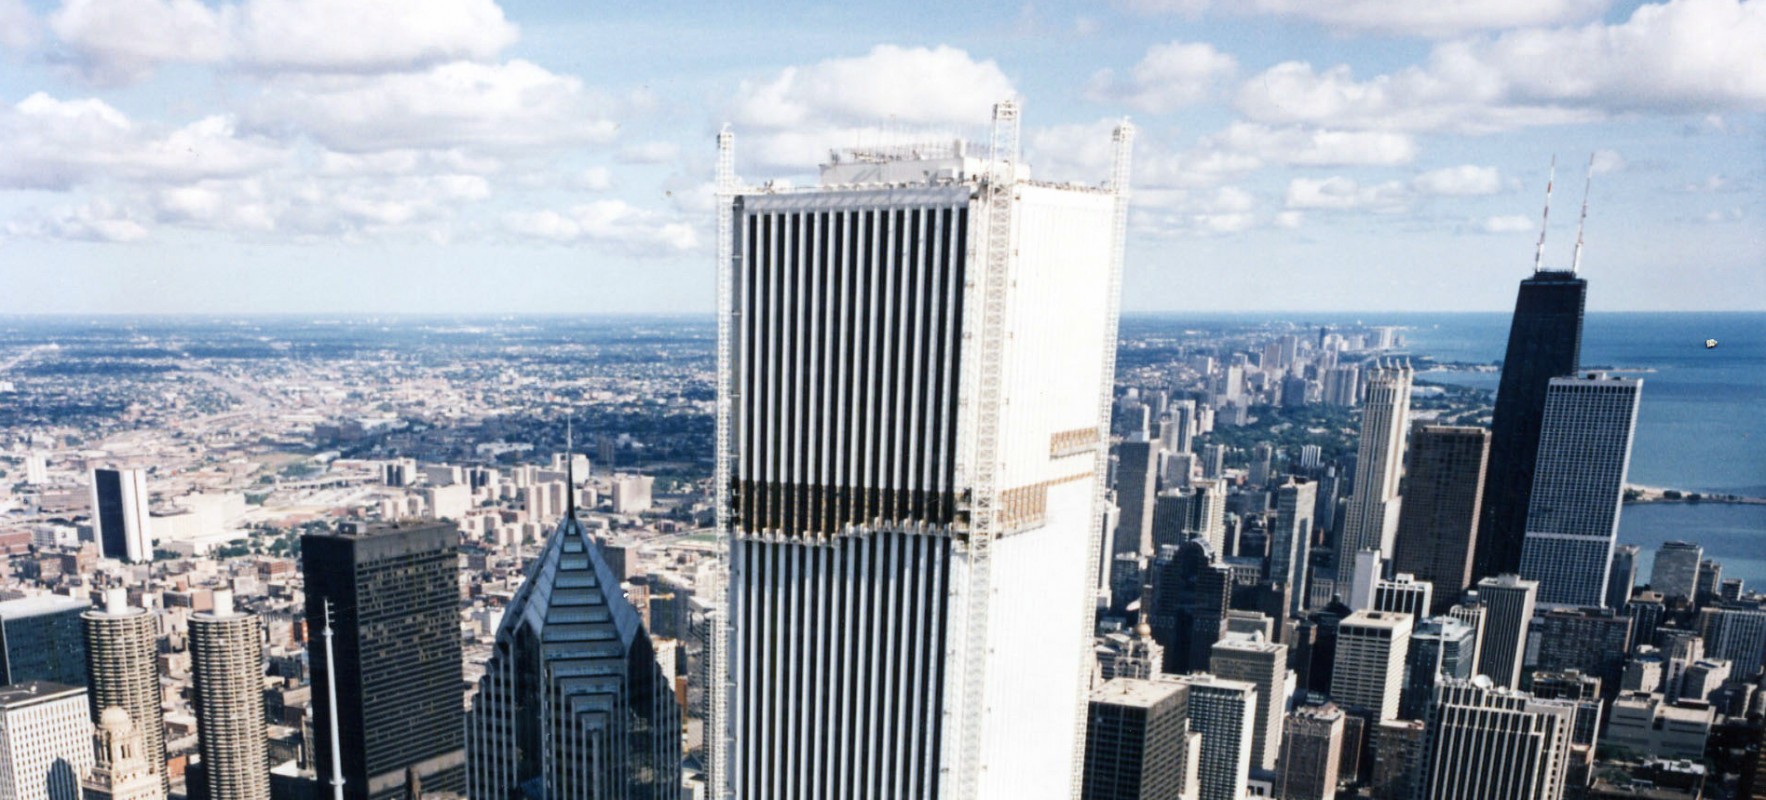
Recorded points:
(395, 615)
(1191, 591)
(1544, 342)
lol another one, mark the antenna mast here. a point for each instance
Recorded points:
(1539, 250)
(1576, 260)
(331, 700)
(569, 472)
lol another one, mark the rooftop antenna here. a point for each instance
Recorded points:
(569, 472)
(331, 700)
(1539, 251)
(1576, 260)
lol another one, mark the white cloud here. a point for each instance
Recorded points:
(1508, 223)
(1314, 147)
(649, 153)
(1343, 194)
(609, 223)
(19, 28)
(514, 106)
(594, 179)
(1466, 179)
(1606, 161)
(124, 40)
(1169, 77)
(59, 144)
(98, 221)
(1437, 18)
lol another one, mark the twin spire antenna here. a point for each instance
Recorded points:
(1545, 218)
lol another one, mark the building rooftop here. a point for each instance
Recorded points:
(38, 605)
(1135, 692)
(30, 693)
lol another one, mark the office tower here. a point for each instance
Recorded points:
(1675, 572)
(1312, 745)
(1262, 461)
(1491, 743)
(1438, 523)
(1136, 478)
(1710, 577)
(1439, 646)
(36, 468)
(538, 725)
(1646, 609)
(1180, 435)
(1191, 592)
(122, 772)
(1508, 611)
(1368, 674)
(227, 681)
(1544, 342)
(1404, 594)
(1579, 487)
(119, 514)
(1737, 635)
(1623, 576)
(1171, 517)
(1311, 457)
(1225, 713)
(1179, 469)
(1357, 586)
(45, 741)
(931, 430)
(1138, 741)
(1396, 747)
(1582, 690)
(122, 671)
(1702, 677)
(1342, 386)
(1379, 459)
(1591, 640)
(1730, 590)
(1127, 582)
(1290, 540)
(40, 640)
(394, 596)
(1254, 659)
(1213, 460)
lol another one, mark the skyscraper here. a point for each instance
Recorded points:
(1508, 605)
(1579, 487)
(1675, 572)
(1136, 477)
(1264, 664)
(1225, 713)
(897, 528)
(227, 679)
(1138, 741)
(1438, 526)
(45, 741)
(1312, 746)
(119, 514)
(40, 640)
(1404, 594)
(1368, 676)
(1544, 342)
(1439, 646)
(1290, 540)
(122, 670)
(394, 595)
(1379, 458)
(1623, 577)
(540, 723)
(1491, 743)
(1191, 591)
(1590, 640)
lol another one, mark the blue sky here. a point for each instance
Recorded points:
(468, 156)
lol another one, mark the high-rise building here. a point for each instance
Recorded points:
(1583, 690)
(1312, 746)
(1675, 572)
(45, 741)
(1710, 577)
(227, 681)
(1368, 674)
(538, 726)
(1138, 743)
(1544, 342)
(872, 334)
(1737, 635)
(393, 594)
(1396, 747)
(1136, 479)
(1579, 487)
(1508, 612)
(1225, 713)
(1191, 591)
(1623, 577)
(122, 670)
(1593, 641)
(1180, 434)
(40, 640)
(119, 514)
(1439, 646)
(1262, 462)
(1256, 660)
(1438, 526)
(1379, 460)
(1491, 743)
(1404, 594)
(1290, 540)
(122, 772)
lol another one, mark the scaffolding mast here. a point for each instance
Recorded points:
(717, 739)
(1545, 218)
(1587, 182)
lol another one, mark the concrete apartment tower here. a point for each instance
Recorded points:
(122, 670)
(916, 362)
(227, 669)
(1372, 521)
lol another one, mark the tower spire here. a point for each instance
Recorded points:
(569, 472)
(1587, 181)
(1539, 250)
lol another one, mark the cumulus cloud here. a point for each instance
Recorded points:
(1439, 18)
(59, 144)
(1343, 194)
(97, 221)
(1169, 77)
(516, 105)
(1302, 145)
(1606, 161)
(18, 26)
(649, 153)
(124, 40)
(608, 223)
(1466, 179)
(1508, 223)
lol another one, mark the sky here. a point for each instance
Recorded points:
(470, 156)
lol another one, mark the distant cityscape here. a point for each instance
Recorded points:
(918, 515)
